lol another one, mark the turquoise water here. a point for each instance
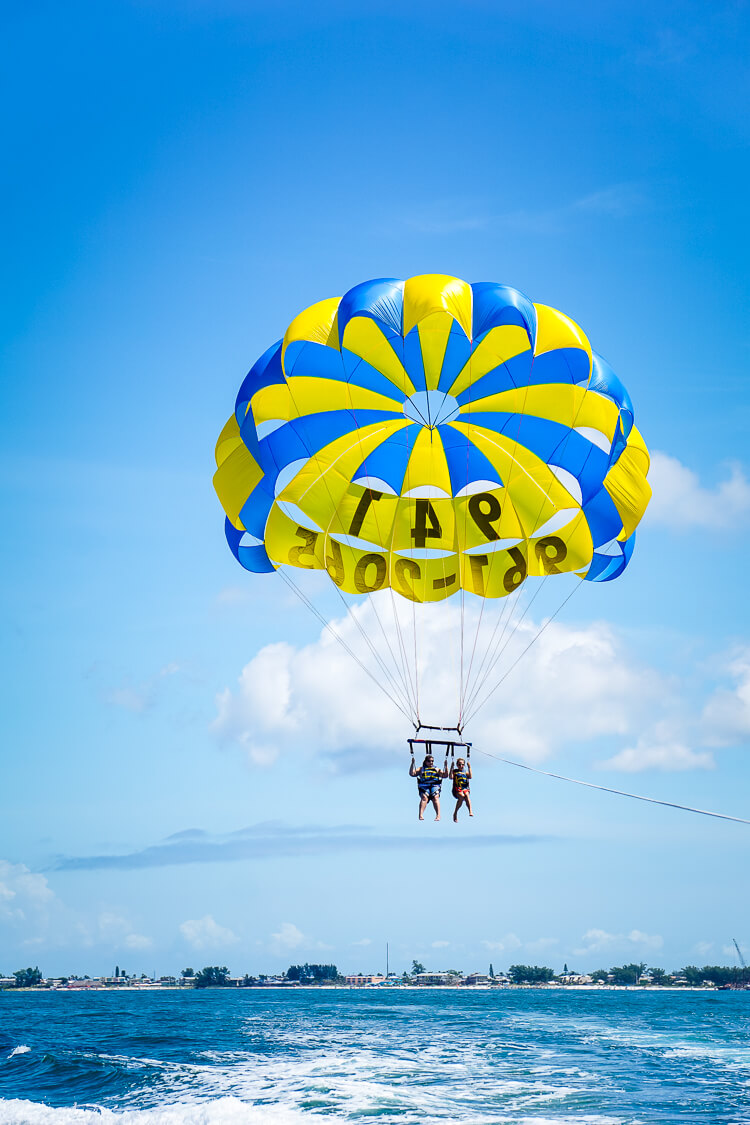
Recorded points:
(281, 1058)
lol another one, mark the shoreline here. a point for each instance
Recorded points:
(381, 988)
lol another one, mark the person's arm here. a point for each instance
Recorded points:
(468, 770)
(451, 771)
(412, 768)
(445, 767)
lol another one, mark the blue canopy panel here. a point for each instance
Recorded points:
(605, 382)
(457, 353)
(263, 373)
(308, 360)
(360, 373)
(381, 300)
(495, 305)
(252, 556)
(255, 511)
(510, 375)
(562, 365)
(466, 463)
(604, 568)
(412, 359)
(552, 442)
(620, 442)
(605, 522)
(306, 436)
(389, 461)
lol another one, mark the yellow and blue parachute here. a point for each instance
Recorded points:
(432, 435)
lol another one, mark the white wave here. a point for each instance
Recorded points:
(21, 1049)
(224, 1111)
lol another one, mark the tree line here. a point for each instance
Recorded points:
(217, 976)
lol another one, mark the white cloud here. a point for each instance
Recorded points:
(617, 201)
(440, 944)
(137, 941)
(141, 697)
(730, 951)
(233, 596)
(287, 937)
(702, 948)
(287, 698)
(507, 944)
(681, 502)
(726, 716)
(363, 941)
(542, 944)
(24, 896)
(575, 684)
(665, 756)
(117, 930)
(205, 933)
(631, 944)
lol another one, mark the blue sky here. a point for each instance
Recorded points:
(180, 180)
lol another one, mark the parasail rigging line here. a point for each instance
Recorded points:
(504, 618)
(408, 678)
(520, 656)
(606, 789)
(408, 688)
(396, 687)
(322, 476)
(498, 651)
(316, 613)
(399, 671)
(498, 654)
(464, 704)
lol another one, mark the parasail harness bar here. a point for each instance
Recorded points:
(450, 744)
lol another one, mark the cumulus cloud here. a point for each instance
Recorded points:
(24, 896)
(137, 941)
(682, 503)
(31, 914)
(206, 933)
(507, 944)
(288, 936)
(542, 944)
(440, 944)
(141, 697)
(116, 930)
(578, 683)
(726, 716)
(667, 755)
(631, 944)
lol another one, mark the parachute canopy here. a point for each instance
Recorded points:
(431, 435)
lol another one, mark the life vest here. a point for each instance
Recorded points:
(428, 775)
(460, 781)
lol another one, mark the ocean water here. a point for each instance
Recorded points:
(255, 1057)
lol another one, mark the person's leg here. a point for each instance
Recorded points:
(459, 802)
(422, 804)
(436, 804)
(467, 798)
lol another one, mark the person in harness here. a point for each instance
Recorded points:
(429, 779)
(461, 776)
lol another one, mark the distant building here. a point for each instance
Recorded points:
(478, 978)
(433, 979)
(361, 980)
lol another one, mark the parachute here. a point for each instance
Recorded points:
(433, 438)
